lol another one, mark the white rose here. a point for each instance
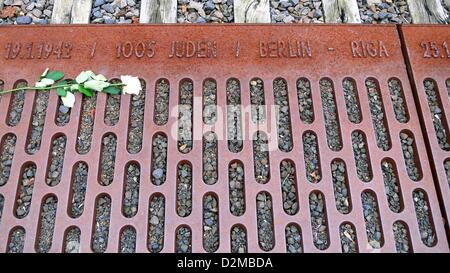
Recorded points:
(68, 100)
(132, 85)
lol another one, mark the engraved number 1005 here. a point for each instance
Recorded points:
(139, 49)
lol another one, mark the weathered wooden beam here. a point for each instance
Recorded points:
(251, 11)
(62, 12)
(427, 11)
(81, 11)
(158, 11)
(341, 11)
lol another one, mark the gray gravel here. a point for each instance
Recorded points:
(16, 106)
(16, 240)
(435, 106)
(62, 114)
(131, 194)
(25, 192)
(305, 103)
(205, 11)
(391, 185)
(330, 115)
(184, 189)
(280, 91)
(24, 12)
(296, 11)
(319, 221)
(159, 159)
(378, 115)
(72, 240)
(37, 122)
(162, 102)
(108, 159)
(209, 101)
(156, 223)
(234, 122)
(348, 238)
(265, 221)
(101, 226)
(6, 156)
(361, 155)
(87, 117)
(47, 224)
(238, 240)
(79, 184)
(448, 83)
(237, 188)
(311, 156)
(293, 239)
(410, 154)
(2, 202)
(352, 101)
(340, 185)
(136, 121)
(115, 11)
(289, 187)
(372, 219)
(401, 237)
(183, 240)
(56, 161)
(447, 170)
(261, 157)
(112, 110)
(388, 11)
(423, 215)
(210, 157)
(185, 130)
(257, 100)
(210, 223)
(128, 240)
(398, 100)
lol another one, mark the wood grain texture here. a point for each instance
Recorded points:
(81, 11)
(341, 11)
(427, 11)
(158, 11)
(251, 11)
(62, 11)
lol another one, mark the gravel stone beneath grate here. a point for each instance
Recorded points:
(79, 184)
(205, 11)
(185, 117)
(361, 156)
(209, 102)
(295, 11)
(16, 106)
(401, 237)
(112, 110)
(261, 157)
(162, 102)
(2, 202)
(348, 238)
(423, 215)
(37, 122)
(57, 161)
(437, 115)
(265, 221)
(234, 122)
(330, 115)
(101, 227)
(159, 159)
(447, 170)
(6, 157)
(351, 101)
(378, 116)
(257, 101)
(210, 223)
(23, 201)
(237, 190)
(72, 241)
(210, 158)
(47, 224)
(398, 100)
(238, 240)
(391, 186)
(16, 241)
(311, 155)
(340, 185)
(183, 240)
(156, 224)
(372, 219)
(318, 221)
(280, 91)
(85, 130)
(131, 194)
(62, 114)
(305, 103)
(184, 189)
(128, 240)
(410, 156)
(293, 239)
(108, 159)
(289, 187)
(136, 122)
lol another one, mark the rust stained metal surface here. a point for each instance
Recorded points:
(238, 55)
(428, 51)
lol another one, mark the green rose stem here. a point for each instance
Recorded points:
(46, 88)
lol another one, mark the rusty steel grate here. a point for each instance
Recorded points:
(429, 57)
(246, 139)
